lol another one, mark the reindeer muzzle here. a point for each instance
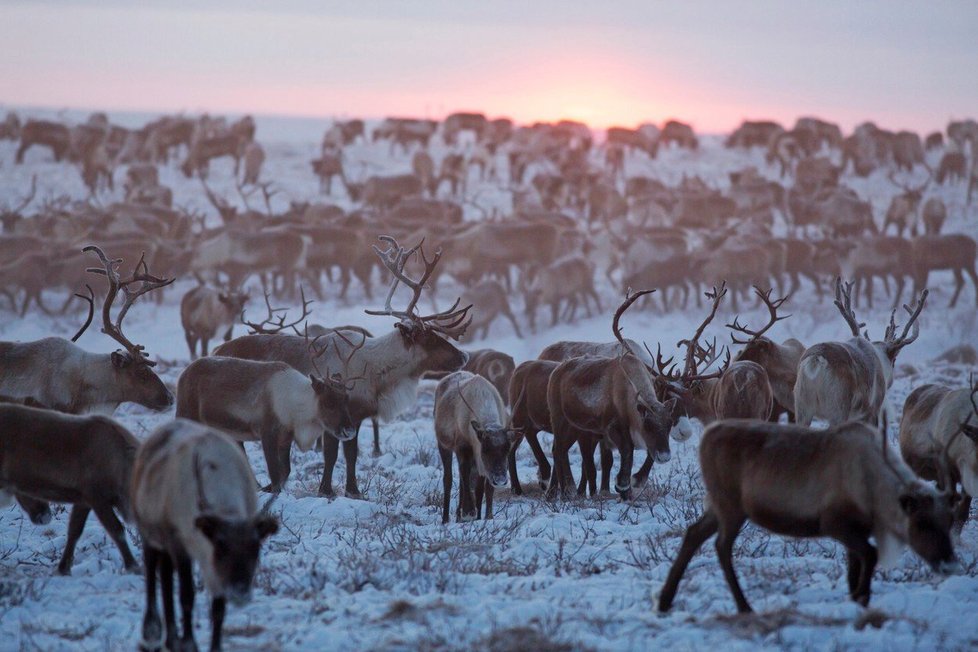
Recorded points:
(661, 457)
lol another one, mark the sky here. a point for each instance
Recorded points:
(712, 63)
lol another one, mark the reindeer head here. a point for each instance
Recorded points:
(495, 442)
(236, 545)
(132, 361)
(429, 334)
(891, 345)
(333, 389)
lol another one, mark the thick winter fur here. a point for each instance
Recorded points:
(471, 422)
(843, 381)
(391, 366)
(54, 373)
(799, 482)
(83, 460)
(780, 361)
(193, 498)
(205, 312)
(267, 401)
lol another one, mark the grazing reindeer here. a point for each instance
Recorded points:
(610, 399)
(56, 374)
(489, 300)
(193, 499)
(837, 483)
(392, 364)
(904, 210)
(204, 312)
(847, 381)
(269, 402)
(934, 417)
(83, 460)
(569, 279)
(470, 420)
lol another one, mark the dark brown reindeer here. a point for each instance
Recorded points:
(471, 423)
(838, 483)
(193, 499)
(391, 364)
(847, 381)
(610, 399)
(56, 374)
(82, 460)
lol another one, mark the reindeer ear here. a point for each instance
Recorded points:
(266, 525)
(120, 360)
(208, 525)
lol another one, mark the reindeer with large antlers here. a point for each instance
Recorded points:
(847, 381)
(939, 440)
(611, 401)
(391, 365)
(56, 374)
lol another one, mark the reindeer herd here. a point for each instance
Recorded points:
(579, 222)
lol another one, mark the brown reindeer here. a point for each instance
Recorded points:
(489, 301)
(955, 252)
(565, 282)
(471, 423)
(904, 210)
(83, 460)
(939, 440)
(193, 499)
(204, 312)
(530, 415)
(54, 373)
(780, 361)
(934, 214)
(837, 483)
(847, 381)
(269, 402)
(53, 135)
(610, 399)
(392, 364)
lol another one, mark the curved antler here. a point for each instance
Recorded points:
(278, 324)
(843, 301)
(772, 307)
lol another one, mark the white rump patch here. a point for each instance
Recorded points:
(890, 549)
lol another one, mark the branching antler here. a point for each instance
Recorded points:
(343, 379)
(148, 283)
(630, 298)
(843, 301)
(278, 323)
(894, 343)
(772, 306)
(699, 358)
(451, 323)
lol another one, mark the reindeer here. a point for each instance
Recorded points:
(489, 300)
(206, 311)
(568, 280)
(530, 415)
(780, 362)
(934, 214)
(904, 210)
(202, 151)
(327, 166)
(269, 402)
(54, 373)
(54, 135)
(423, 168)
(862, 259)
(193, 498)
(83, 460)
(955, 252)
(471, 422)
(254, 157)
(838, 483)
(939, 440)
(392, 364)
(847, 381)
(611, 399)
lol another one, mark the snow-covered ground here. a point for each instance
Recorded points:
(384, 573)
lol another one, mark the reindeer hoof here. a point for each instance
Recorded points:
(354, 494)
(638, 483)
(327, 492)
(63, 571)
(376, 453)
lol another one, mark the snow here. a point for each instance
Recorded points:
(383, 573)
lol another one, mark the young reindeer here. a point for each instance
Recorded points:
(83, 460)
(391, 365)
(847, 381)
(269, 402)
(610, 399)
(205, 312)
(193, 499)
(469, 423)
(795, 481)
(54, 373)
(939, 440)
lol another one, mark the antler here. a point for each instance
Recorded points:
(897, 343)
(843, 301)
(91, 311)
(279, 322)
(148, 283)
(630, 298)
(772, 307)
(342, 379)
(708, 355)
(451, 323)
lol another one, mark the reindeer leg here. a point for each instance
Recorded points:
(642, 475)
(76, 523)
(729, 528)
(166, 587)
(623, 481)
(696, 535)
(561, 468)
(958, 286)
(285, 457)
(514, 478)
(466, 501)
(351, 449)
(512, 319)
(607, 461)
(490, 491)
(970, 271)
(446, 465)
(376, 427)
(152, 627)
(269, 445)
(218, 607)
(187, 590)
(543, 464)
(480, 490)
(116, 532)
(588, 471)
